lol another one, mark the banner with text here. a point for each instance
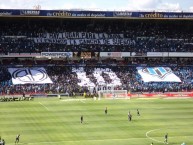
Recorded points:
(57, 54)
(157, 74)
(94, 14)
(115, 54)
(29, 75)
(78, 38)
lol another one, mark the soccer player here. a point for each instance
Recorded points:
(17, 139)
(138, 112)
(114, 96)
(106, 110)
(81, 119)
(129, 116)
(3, 142)
(166, 138)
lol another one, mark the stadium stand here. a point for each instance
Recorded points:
(79, 67)
(66, 81)
(29, 36)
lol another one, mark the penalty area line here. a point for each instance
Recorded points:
(44, 106)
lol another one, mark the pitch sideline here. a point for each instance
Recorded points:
(51, 142)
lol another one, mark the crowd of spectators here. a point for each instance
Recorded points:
(66, 81)
(19, 36)
(140, 61)
(145, 35)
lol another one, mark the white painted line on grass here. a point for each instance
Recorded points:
(110, 139)
(148, 98)
(68, 100)
(66, 141)
(177, 98)
(82, 101)
(44, 106)
(151, 137)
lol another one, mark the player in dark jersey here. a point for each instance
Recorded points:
(138, 112)
(17, 139)
(129, 116)
(3, 142)
(106, 110)
(166, 138)
(81, 119)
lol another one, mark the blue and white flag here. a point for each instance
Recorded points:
(29, 75)
(157, 74)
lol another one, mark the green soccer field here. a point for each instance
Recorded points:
(52, 121)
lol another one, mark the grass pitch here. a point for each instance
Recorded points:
(50, 121)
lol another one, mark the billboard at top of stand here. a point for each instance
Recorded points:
(94, 14)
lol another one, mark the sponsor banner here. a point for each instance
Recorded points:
(56, 54)
(95, 14)
(96, 54)
(180, 54)
(111, 54)
(79, 14)
(126, 54)
(29, 75)
(115, 54)
(151, 15)
(5, 13)
(165, 15)
(30, 12)
(3, 55)
(23, 54)
(165, 54)
(122, 14)
(157, 74)
(85, 55)
(138, 54)
(155, 54)
(158, 54)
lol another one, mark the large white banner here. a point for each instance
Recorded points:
(157, 74)
(29, 75)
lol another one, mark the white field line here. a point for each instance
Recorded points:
(51, 142)
(44, 106)
(148, 98)
(82, 101)
(68, 100)
(191, 100)
(177, 98)
(159, 140)
(151, 137)
(115, 139)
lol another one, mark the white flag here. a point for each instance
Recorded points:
(157, 74)
(29, 75)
